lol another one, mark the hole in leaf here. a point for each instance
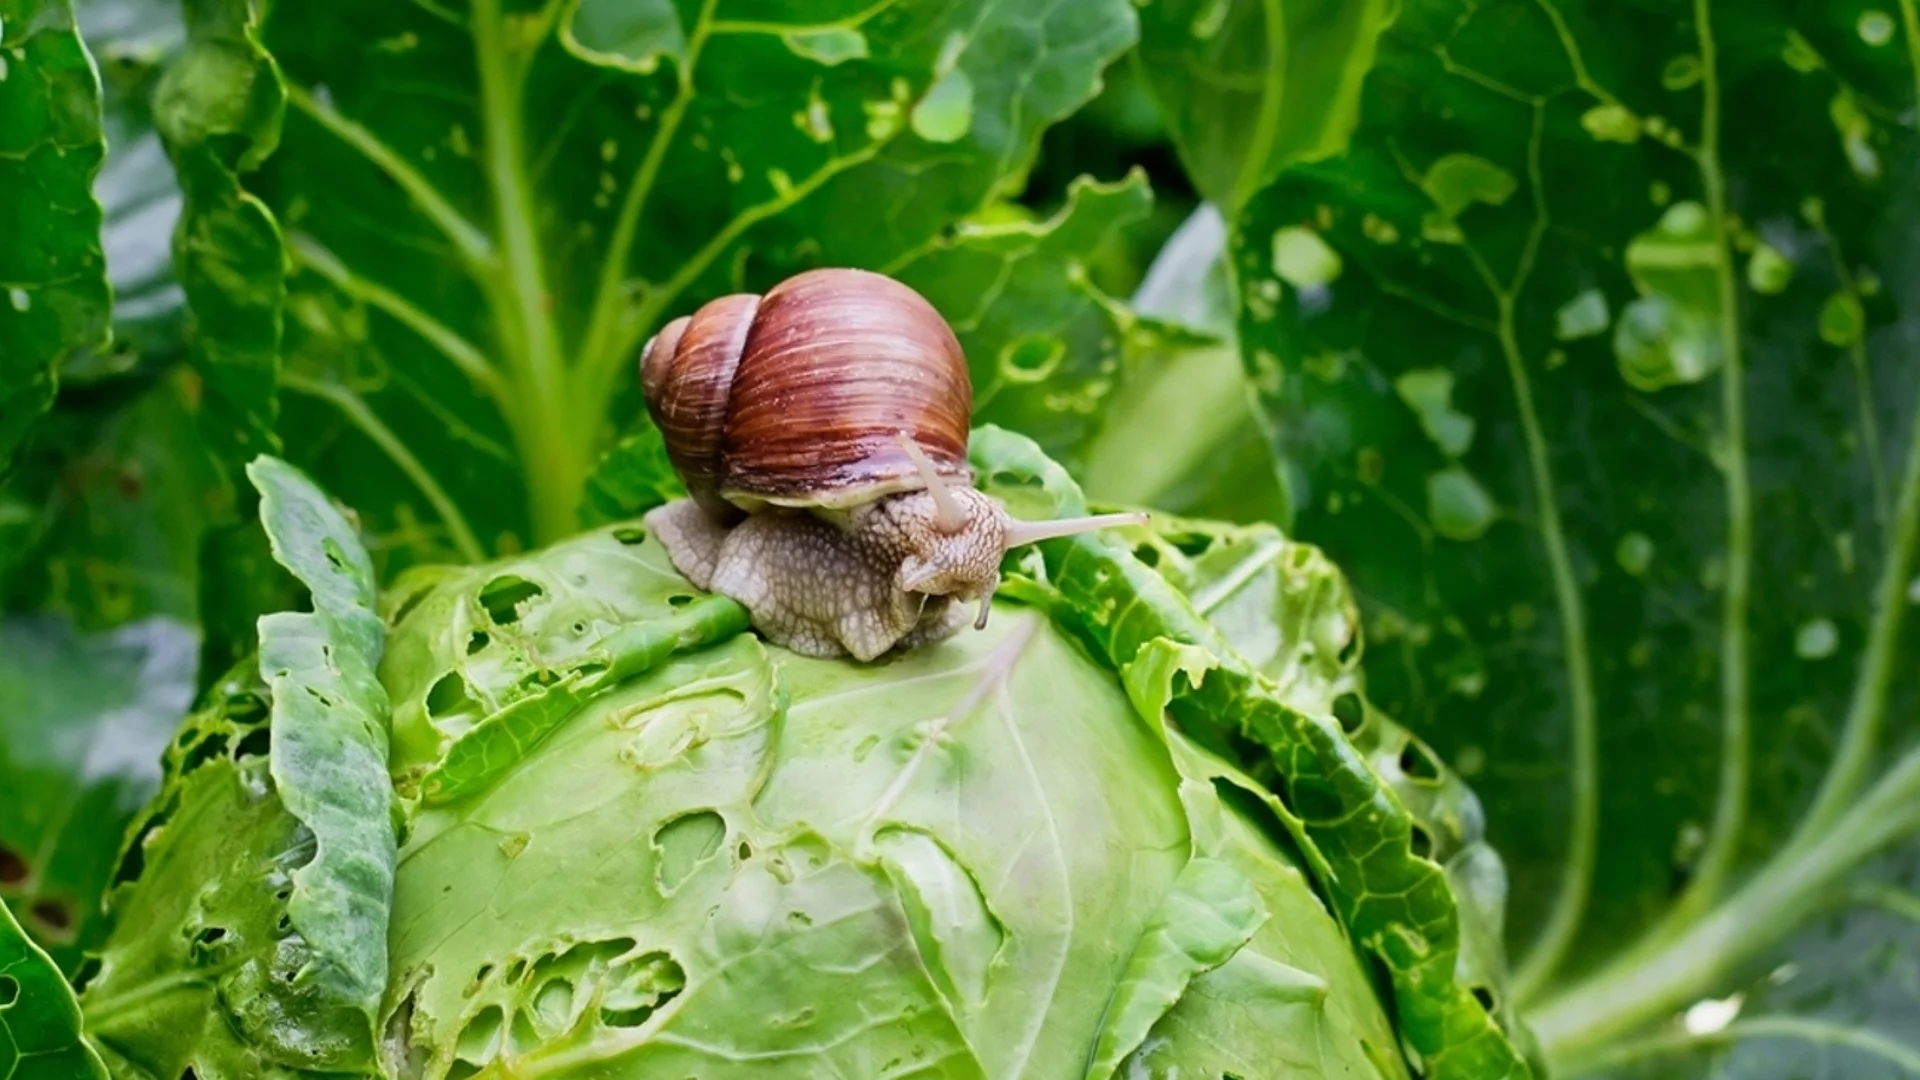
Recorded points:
(477, 642)
(679, 600)
(630, 534)
(335, 557)
(1420, 843)
(210, 935)
(1418, 762)
(503, 596)
(638, 988)
(463, 1070)
(1350, 651)
(479, 1040)
(1193, 544)
(1484, 996)
(55, 915)
(684, 843)
(212, 746)
(524, 1036)
(13, 868)
(744, 851)
(1148, 554)
(246, 708)
(449, 697)
(85, 973)
(517, 969)
(1348, 710)
(9, 990)
(256, 743)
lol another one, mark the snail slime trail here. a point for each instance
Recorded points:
(821, 431)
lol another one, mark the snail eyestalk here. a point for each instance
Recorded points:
(1032, 532)
(986, 605)
(948, 517)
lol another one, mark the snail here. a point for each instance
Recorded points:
(821, 432)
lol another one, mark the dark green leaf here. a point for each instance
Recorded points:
(1357, 837)
(82, 723)
(1596, 351)
(1046, 347)
(330, 719)
(1249, 86)
(490, 212)
(633, 478)
(52, 272)
(218, 108)
(40, 1036)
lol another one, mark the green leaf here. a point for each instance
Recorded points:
(39, 1022)
(921, 857)
(489, 214)
(83, 720)
(218, 109)
(1654, 608)
(1357, 837)
(1248, 86)
(52, 273)
(204, 970)
(1211, 911)
(634, 477)
(329, 731)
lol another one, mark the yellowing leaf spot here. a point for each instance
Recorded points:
(883, 119)
(1378, 230)
(1458, 506)
(1768, 271)
(1302, 259)
(1842, 320)
(1799, 54)
(1611, 123)
(1681, 72)
(1583, 316)
(831, 47)
(1429, 393)
(1457, 181)
(946, 114)
(1634, 553)
(1856, 133)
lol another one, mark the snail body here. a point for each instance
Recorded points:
(821, 432)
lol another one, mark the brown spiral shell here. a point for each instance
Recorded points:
(795, 397)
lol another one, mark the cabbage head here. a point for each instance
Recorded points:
(624, 837)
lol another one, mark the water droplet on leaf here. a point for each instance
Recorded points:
(1876, 27)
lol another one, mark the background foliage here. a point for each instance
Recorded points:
(1577, 334)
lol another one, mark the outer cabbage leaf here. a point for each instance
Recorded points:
(1353, 831)
(1602, 393)
(977, 835)
(82, 722)
(40, 1036)
(204, 970)
(330, 734)
(52, 272)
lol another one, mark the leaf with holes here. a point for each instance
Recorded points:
(1373, 861)
(872, 861)
(329, 731)
(1595, 349)
(487, 210)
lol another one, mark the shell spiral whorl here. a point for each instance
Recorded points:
(797, 397)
